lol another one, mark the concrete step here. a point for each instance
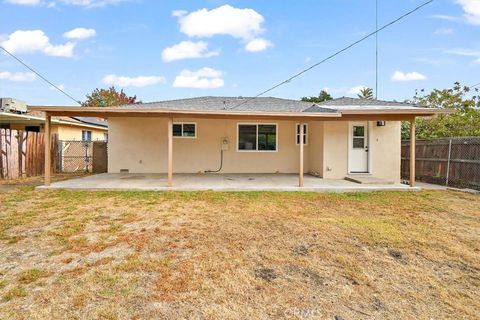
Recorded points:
(367, 179)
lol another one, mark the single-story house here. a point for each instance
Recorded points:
(334, 139)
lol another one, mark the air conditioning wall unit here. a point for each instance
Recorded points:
(12, 105)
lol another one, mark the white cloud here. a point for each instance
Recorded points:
(471, 10)
(407, 76)
(140, 81)
(444, 31)
(80, 3)
(31, 41)
(25, 2)
(257, 45)
(205, 78)
(92, 3)
(80, 33)
(18, 76)
(225, 20)
(356, 90)
(187, 50)
(245, 24)
(443, 17)
(466, 53)
(179, 13)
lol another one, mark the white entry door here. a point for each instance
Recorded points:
(358, 148)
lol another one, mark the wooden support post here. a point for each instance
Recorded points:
(412, 152)
(170, 151)
(48, 154)
(300, 176)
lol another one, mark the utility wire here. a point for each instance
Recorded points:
(38, 74)
(333, 55)
(475, 85)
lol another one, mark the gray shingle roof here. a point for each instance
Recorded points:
(346, 103)
(270, 104)
(265, 104)
(92, 120)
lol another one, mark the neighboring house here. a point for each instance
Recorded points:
(342, 137)
(14, 115)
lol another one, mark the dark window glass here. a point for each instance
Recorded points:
(32, 128)
(247, 137)
(267, 137)
(177, 130)
(189, 130)
(358, 143)
(305, 132)
(358, 131)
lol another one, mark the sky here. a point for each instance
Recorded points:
(160, 50)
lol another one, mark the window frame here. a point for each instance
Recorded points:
(256, 135)
(297, 134)
(182, 124)
(87, 133)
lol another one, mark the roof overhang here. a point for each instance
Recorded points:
(374, 114)
(28, 119)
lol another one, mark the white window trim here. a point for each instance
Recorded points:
(297, 134)
(182, 136)
(257, 124)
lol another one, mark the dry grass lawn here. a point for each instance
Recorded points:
(211, 255)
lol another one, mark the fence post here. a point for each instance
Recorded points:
(448, 161)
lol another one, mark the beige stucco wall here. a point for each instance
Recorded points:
(315, 147)
(384, 150)
(66, 132)
(140, 145)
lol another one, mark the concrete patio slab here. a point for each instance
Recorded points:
(217, 182)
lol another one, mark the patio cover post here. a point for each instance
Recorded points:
(300, 177)
(412, 152)
(48, 143)
(170, 151)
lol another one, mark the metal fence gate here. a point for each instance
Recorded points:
(449, 161)
(82, 156)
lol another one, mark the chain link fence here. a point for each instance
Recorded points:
(82, 156)
(451, 162)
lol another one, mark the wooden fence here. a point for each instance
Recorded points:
(451, 161)
(22, 154)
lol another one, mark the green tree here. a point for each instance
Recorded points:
(463, 122)
(366, 93)
(107, 98)
(322, 96)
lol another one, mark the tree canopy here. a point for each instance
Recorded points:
(366, 93)
(465, 121)
(322, 96)
(108, 97)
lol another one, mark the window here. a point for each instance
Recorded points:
(105, 136)
(184, 130)
(86, 135)
(257, 137)
(358, 137)
(32, 128)
(305, 133)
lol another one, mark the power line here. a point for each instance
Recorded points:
(38, 74)
(334, 54)
(475, 85)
